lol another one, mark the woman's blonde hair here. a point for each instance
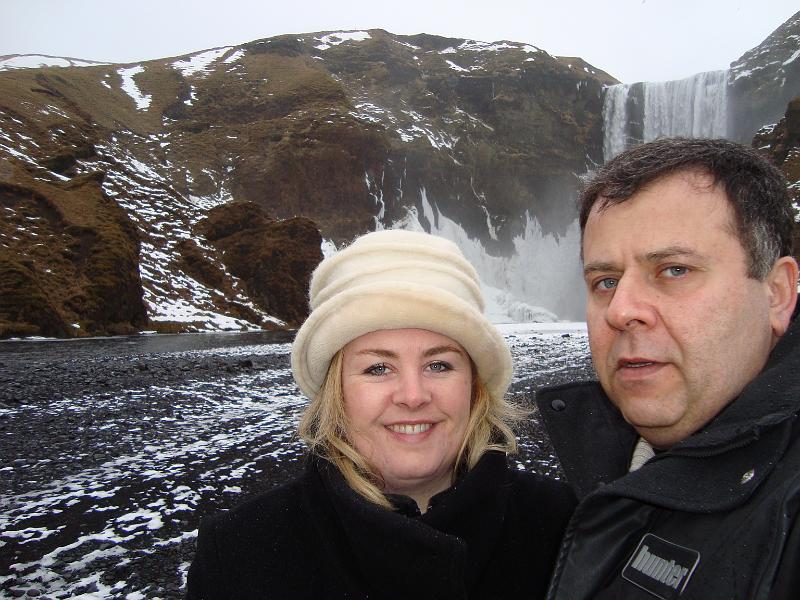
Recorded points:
(323, 427)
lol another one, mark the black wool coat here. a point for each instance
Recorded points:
(494, 534)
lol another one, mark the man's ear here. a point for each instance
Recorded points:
(782, 285)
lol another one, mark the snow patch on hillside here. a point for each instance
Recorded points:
(339, 37)
(129, 87)
(234, 57)
(200, 63)
(38, 61)
(476, 46)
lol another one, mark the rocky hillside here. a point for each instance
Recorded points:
(781, 143)
(176, 194)
(763, 80)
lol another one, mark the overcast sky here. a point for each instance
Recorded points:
(633, 40)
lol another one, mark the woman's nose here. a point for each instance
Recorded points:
(412, 390)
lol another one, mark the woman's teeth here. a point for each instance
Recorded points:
(410, 429)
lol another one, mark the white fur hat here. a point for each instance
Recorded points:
(396, 280)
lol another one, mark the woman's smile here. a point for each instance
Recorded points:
(410, 428)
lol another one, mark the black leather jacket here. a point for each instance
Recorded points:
(715, 516)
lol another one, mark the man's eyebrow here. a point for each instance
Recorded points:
(599, 267)
(672, 252)
(655, 256)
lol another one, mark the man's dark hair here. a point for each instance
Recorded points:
(757, 190)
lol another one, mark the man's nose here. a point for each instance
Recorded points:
(412, 391)
(632, 305)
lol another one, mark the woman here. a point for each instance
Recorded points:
(407, 492)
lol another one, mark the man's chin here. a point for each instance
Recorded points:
(659, 427)
(660, 437)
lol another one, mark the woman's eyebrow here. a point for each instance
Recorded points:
(378, 352)
(441, 350)
(427, 353)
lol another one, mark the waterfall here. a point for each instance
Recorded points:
(615, 119)
(541, 281)
(692, 107)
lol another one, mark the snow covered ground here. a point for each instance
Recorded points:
(111, 450)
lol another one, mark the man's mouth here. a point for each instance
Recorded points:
(635, 363)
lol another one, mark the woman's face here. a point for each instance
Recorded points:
(407, 401)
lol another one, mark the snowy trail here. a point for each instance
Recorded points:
(102, 495)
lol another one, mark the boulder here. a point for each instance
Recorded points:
(273, 258)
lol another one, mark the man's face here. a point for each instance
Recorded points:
(676, 327)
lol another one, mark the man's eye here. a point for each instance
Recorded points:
(379, 369)
(676, 271)
(607, 283)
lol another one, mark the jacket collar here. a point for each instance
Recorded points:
(717, 468)
(770, 399)
(438, 554)
(593, 442)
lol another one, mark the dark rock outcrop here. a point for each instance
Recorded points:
(68, 261)
(781, 143)
(25, 308)
(274, 259)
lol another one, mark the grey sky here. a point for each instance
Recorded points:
(633, 40)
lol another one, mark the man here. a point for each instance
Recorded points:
(686, 456)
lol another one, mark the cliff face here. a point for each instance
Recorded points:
(348, 129)
(764, 80)
(781, 143)
(69, 260)
(351, 130)
(273, 259)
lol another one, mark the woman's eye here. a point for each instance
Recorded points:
(439, 366)
(379, 369)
